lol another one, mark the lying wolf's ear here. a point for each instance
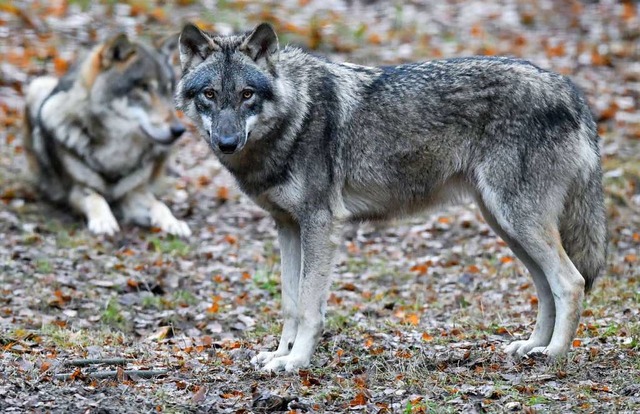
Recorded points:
(195, 46)
(261, 44)
(117, 49)
(167, 45)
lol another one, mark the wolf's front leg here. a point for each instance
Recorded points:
(290, 252)
(318, 247)
(95, 208)
(143, 208)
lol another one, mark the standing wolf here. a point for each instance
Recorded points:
(317, 143)
(102, 133)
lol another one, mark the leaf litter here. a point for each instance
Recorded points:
(420, 308)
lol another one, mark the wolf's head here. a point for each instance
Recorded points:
(229, 85)
(131, 89)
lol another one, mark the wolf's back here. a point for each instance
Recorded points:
(39, 89)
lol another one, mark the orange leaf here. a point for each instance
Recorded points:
(404, 354)
(214, 308)
(476, 30)
(420, 268)
(223, 193)
(360, 399)
(506, 259)
(45, 366)
(230, 239)
(375, 39)
(473, 269)
(412, 319)
(426, 337)
(631, 258)
(576, 343)
(158, 14)
(60, 65)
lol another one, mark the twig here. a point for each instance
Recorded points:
(114, 374)
(106, 361)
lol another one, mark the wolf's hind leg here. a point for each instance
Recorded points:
(545, 320)
(290, 252)
(143, 208)
(95, 208)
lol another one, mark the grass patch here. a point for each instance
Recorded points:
(171, 245)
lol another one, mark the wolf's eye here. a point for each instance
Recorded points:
(144, 86)
(209, 93)
(247, 94)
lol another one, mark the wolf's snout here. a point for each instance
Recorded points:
(228, 144)
(177, 129)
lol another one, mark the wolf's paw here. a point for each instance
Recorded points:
(162, 217)
(177, 228)
(288, 363)
(104, 223)
(550, 352)
(265, 357)
(520, 348)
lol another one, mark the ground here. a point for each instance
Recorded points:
(420, 308)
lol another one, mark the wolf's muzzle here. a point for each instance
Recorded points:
(177, 129)
(228, 144)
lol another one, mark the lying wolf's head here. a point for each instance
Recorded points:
(131, 89)
(229, 85)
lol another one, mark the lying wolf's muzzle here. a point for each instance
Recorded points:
(177, 129)
(228, 144)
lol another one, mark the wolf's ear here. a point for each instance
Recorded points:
(167, 45)
(195, 46)
(117, 49)
(261, 44)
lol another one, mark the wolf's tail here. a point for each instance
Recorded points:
(583, 227)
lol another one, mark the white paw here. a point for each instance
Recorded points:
(104, 223)
(288, 363)
(550, 352)
(265, 357)
(520, 349)
(162, 217)
(176, 227)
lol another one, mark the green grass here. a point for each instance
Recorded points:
(171, 245)
(112, 314)
(43, 266)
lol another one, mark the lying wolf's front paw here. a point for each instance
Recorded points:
(162, 217)
(177, 228)
(287, 363)
(103, 224)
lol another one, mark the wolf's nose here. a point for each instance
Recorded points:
(177, 130)
(228, 144)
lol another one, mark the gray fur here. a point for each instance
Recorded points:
(324, 143)
(102, 132)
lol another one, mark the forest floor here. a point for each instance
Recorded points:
(419, 309)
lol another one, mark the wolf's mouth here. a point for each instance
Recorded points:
(163, 136)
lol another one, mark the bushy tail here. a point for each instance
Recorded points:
(583, 227)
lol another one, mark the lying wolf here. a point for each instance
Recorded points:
(101, 134)
(317, 143)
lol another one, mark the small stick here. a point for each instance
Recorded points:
(114, 374)
(107, 361)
